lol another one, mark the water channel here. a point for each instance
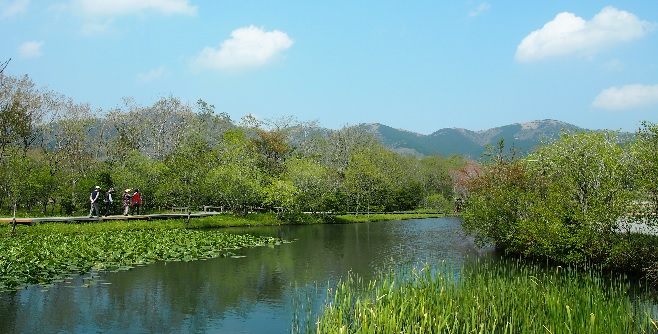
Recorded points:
(253, 292)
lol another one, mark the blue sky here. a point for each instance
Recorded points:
(415, 65)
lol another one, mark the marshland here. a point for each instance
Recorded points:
(302, 242)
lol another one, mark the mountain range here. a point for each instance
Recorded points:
(472, 144)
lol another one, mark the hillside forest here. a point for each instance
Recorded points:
(53, 152)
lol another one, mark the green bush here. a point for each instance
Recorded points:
(633, 253)
(563, 202)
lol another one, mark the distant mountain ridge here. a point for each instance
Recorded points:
(472, 144)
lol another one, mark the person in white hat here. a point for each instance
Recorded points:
(126, 201)
(94, 198)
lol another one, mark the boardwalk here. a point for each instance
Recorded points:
(82, 219)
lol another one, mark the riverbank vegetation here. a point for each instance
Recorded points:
(575, 200)
(508, 296)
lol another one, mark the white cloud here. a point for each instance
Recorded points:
(13, 8)
(570, 34)
(481, 8)
(247, 47)
(627, 97)
(105, 8)
(100, 15)
(30, 49)
(152, 75)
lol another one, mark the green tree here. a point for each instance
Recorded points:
(140, 171)
(70, 151)
(365, 182)
(564, 201)
(282, 196)
(316, 189)
(188, 166)
(645, 170)
(404, 177)
(22, 110)
(495, 194)
(236, 182)
(271, 141)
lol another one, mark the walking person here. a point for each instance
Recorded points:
(126, 201)
(94, 198)
(137, 201)
(108, 201)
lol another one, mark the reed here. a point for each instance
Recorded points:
(486, 297)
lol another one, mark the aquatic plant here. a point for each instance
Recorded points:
(501, 297)
(57, 251)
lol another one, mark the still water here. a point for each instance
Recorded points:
(251, 293)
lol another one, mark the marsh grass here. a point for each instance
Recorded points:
(486, 297)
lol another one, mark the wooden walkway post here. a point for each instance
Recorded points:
(13, 220)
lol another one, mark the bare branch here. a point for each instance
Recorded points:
(4, 65)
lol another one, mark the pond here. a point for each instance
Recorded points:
(253, 292)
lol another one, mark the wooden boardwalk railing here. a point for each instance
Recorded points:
(81, 219)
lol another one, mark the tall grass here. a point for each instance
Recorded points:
(487, 297)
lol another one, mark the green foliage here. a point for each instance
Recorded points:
(238, 187)
(645, 166)
(495, 198)
(314, 186)
(564, 201)
(282, 195)
(363, 180)
(489, 297)
(439, 203)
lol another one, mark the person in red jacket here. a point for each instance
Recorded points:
(137, 201)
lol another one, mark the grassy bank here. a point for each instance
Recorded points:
(263, 219)
(373, 217)
(509, 297)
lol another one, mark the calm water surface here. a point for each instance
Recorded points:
(250, 294)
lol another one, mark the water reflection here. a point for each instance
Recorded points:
(253, 294)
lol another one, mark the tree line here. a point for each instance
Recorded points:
(54, 151)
